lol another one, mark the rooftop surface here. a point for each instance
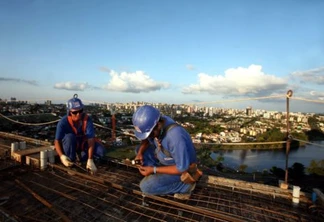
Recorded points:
(61, 194)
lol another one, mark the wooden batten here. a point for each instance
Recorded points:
(20, 155)
(33, 160)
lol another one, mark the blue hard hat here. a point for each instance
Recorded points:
(75, 103)
(144, 120)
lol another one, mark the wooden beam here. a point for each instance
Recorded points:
(23, 138)
(20, 155)
(33, 160)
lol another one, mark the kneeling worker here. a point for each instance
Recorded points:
(167, 155)
(75, 137)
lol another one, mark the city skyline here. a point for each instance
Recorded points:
(194, 107)
(214, 53)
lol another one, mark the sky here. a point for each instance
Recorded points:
(225, 54)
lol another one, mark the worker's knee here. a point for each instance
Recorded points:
(100, 150)
(147, 185)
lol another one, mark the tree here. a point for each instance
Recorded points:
(271, 135)
(203, 154)
(278, 172)
(297, 171)
(316, 168)
(242, 168)
(312, 122)
(315, 134)
(219, 159)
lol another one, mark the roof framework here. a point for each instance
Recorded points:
(61, 194)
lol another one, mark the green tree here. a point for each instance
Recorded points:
(204, 156)
(271, 135)
(312, 122)
(297, 171)
(278, 172)
(316, 168)
(219, 159)
(242, 168)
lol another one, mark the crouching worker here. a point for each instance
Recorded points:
(167, 155)
(75, 137)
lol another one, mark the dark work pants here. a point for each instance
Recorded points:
(69, 147)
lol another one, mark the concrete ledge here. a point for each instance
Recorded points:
(251, 187)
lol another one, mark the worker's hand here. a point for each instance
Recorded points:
(66, 161)
(91, 166)
(139, 157)
(146, 170)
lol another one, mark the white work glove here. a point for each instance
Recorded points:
(66, 161)
(91, 166)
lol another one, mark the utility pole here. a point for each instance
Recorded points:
(289, 94)
(113, 134)
(113, 124)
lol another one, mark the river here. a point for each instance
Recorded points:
(259, 160)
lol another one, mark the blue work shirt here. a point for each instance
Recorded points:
(63, 127)
(178, 143)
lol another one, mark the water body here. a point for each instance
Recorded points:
(259, 160)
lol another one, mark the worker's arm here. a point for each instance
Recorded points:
(58, 147)
(143, 146)
(91, 144)
(90, 164)
(59, 150)
(147, 170)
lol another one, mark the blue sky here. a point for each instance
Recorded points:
(211, 53)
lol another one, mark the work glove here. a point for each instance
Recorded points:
(66, 161)
(91, 166)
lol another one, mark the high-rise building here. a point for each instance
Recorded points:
(249, 111)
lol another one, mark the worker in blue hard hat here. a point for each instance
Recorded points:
(75, 137)
(167, 154)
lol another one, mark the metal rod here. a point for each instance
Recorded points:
(45, 202)
(207, 212)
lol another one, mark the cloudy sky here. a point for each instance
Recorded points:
(230, 54)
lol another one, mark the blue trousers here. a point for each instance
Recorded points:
(160, 184)
(69, 143)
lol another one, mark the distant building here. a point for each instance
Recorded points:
(249, 111)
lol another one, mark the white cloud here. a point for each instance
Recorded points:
(72, 86)
(317, 94)
(133, 82)
(238, 81)
(313, 75)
